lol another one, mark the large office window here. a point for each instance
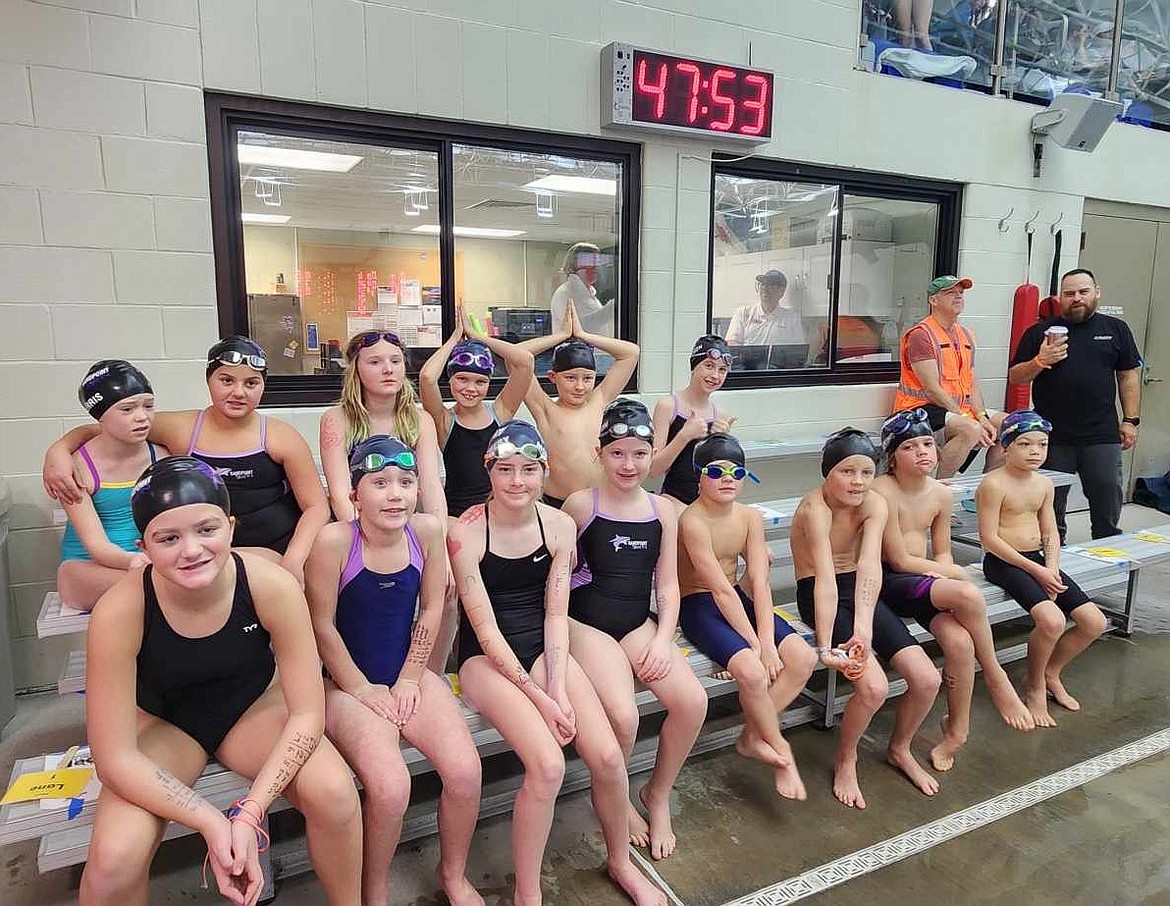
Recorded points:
(815, 274)
(328, 222)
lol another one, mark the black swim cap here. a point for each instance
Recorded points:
(903, 426)
(711, 346)
(716, 448)
(237, 350)
(176, 481)
(109, 382)
(845, 443)
(515, 437)
(624, 418)
(573, 354)
(472, 356)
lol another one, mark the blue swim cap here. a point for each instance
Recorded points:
(176, 481)
(1022, 422)
(903, 426)
(515, 437)
(377, 452)
(472, 356)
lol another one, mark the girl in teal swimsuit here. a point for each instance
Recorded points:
(101, 542)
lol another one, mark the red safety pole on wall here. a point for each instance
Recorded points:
(1025, 313)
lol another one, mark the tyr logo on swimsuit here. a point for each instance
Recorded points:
(620, 541)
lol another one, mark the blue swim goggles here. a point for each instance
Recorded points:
(739, 473)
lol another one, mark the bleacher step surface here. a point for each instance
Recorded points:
(56, 618)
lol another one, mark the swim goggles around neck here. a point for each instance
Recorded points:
(235, 357)
(376, 462)
(739, 473)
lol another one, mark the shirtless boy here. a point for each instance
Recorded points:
(836, 553)
(1017, 528)
(768, 659)
(569, 423)
(923, 582)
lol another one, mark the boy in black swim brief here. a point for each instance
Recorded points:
(836, 554)
(1017, 528)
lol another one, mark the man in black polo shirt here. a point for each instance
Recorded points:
(1073, 379)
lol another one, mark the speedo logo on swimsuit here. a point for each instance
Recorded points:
(387, 584)
(620, 541)
(1104, 337)
(251, 626)
(236, 474)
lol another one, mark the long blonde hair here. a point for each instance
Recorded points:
(357, 416)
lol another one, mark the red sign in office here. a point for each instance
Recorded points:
(648, 89)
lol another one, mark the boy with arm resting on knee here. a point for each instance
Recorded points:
(769, 660)
(836, 554)
(922, 581)
(1017, 528)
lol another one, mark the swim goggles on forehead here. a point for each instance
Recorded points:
(505, 448)
(621, 429)
(739, 473)
(376, 462)
(718, 355)
(368, 338)
(235, 357)
(900, 421)
(466, 357)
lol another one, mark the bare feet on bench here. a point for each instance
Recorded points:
(1008, 703)
(1060, 694)
(639, 829)
(459, 890)
(636, 885)
(942, 756)
(1037, 702)
(662, 839)
(750, 745)
(845, 785)
(905, 762)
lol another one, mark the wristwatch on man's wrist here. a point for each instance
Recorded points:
(1132, 420)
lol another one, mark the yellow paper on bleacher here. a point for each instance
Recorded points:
(63, 784)
(1152, 537)
(1110, 552)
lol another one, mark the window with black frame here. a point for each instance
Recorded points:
(330, 222)
(815, 277)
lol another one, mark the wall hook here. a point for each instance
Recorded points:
(1028, 223)
(1003, 221)
(1052, 229)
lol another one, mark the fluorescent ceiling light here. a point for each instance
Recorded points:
(296, 159)
(265, 218)
(471, 232)
(584, 185)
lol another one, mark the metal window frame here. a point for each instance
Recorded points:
(947, 195)
(227, 114)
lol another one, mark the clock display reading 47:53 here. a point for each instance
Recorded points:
(648, 89)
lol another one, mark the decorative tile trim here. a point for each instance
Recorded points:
(951, 826)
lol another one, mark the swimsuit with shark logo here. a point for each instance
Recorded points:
(616, 557)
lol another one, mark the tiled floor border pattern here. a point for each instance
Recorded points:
(919, 839)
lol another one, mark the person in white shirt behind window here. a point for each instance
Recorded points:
(768, 322)
(580, 268)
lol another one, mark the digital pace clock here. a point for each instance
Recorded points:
(648, 89)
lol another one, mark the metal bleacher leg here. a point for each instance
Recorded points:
(268, 894)
(830, 699)
(1131, 589)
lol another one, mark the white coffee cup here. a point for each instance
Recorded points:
(1057, 333)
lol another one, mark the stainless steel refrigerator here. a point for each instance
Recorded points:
(274, 320)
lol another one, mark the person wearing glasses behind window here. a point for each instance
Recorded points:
(683, 419)
(626, 540)
(769, 660)
(466, 428)
(512, 557)
(277, 499)
(768, 322)
(363, 580)
(580, 267)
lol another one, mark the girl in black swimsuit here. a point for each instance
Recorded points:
(512, 557)
(181, 666)
(625, 539)
(465, 428)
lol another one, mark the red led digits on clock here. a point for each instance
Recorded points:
(759, 105)
(720, 76)
(654, 88)
(693, 71)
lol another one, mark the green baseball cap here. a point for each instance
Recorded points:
(938, 284)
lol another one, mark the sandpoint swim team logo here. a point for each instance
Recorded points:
(620, 541)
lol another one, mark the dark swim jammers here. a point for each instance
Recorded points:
(908, 595)
(890, 634)
(203, 685)
(707, 629)
(1026, 590)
